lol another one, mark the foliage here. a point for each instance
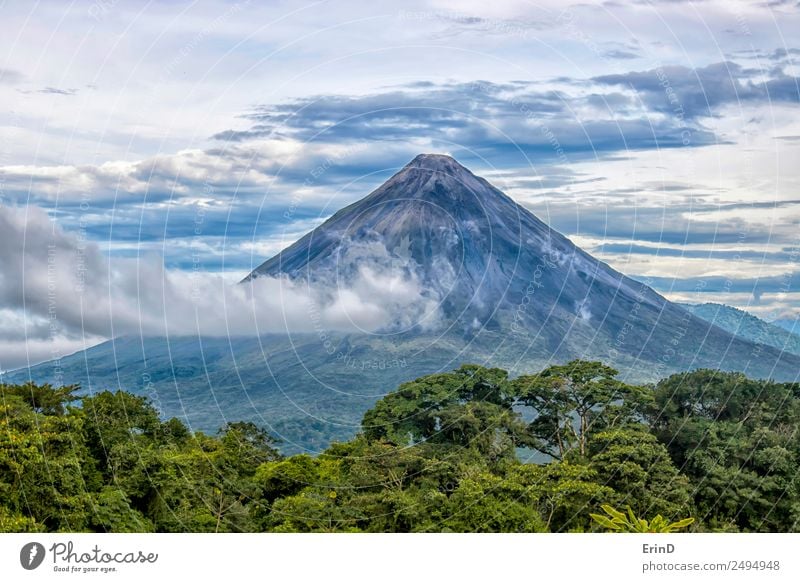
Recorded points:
(620, 522)
(437, 455)
(575, 400)
(640, 470)
(737, 442)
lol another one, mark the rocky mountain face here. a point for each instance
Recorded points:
(495, 268)
(487, 260)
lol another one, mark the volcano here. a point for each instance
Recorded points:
(492, 284)
(508, 282)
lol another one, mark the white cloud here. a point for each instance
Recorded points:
(57, 292)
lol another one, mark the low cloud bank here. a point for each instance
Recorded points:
(59, 290)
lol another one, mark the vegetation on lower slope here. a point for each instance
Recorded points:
(438, 454)
(747, 326)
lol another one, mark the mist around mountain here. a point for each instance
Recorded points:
(747, 326)
(453, 271)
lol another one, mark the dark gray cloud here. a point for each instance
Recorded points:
(672, 224)
(781, 4)
(784, 53)
(487, 118)
(57, 91)
(50, 91)
(692, 93)
(621, 55)
(457, 24)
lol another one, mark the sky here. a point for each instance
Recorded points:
(167, 148)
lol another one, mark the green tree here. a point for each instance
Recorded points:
(639, 469)
(484, 502)
(437, 455)
(736, 439)
(42, 398)
(574, 400)
(470, 407)
(41, 463)
(564, 493)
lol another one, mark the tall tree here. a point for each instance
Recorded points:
(470, 407)
(574, 400)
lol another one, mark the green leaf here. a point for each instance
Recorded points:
(631, 516)
(681, 524)
(605, 522)
(613, 512)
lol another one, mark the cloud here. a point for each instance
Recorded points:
(57, 290)
(621, 55)
(28, 352)
(699, 92)
(10, 76)
(676, 224)
(519, 119)
(57, 91)
(49, 91)
(689, 253)
(207, 177)
(463, 24)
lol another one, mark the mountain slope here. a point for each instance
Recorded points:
(494, 266)
(790, 325)
(747, 326)
(484, 281)
(472, 247)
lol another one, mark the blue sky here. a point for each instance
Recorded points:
(662, 136)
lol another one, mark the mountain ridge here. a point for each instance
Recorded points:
(746, 325)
